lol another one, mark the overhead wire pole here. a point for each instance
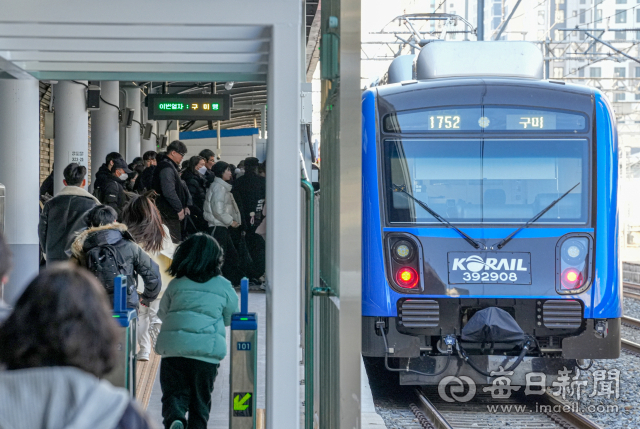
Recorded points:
(480, 26)
(506, 22)
(611, 47)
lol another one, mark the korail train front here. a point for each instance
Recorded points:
(490, 221)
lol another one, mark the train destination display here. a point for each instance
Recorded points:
(484, 119)
(207, 107)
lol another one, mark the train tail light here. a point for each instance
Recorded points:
(571, 279)
(574, 253)
(407, 277)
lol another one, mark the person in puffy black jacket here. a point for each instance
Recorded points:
(103, 172)
(64, 215)
(106, 231)
(113, 188)
(145, 180)
(197, 184)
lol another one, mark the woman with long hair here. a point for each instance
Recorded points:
(145, 226)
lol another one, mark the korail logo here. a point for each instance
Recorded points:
(456, 390)
(476, 263)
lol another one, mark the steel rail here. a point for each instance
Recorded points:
(576, 419)
(555, 413)
(436, 419)
(630, 346)
(631, 322)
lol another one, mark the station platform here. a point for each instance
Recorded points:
(149, 393)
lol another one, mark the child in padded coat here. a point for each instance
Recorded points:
(195, 309)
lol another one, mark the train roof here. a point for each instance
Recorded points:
(432, 93)
(417, 85)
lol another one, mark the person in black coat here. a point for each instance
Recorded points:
(103, 172)
(250, 191)
(173, 196)
(209, 161)
(197, 184)
(65, 214)
(112, 190)
(145, 181)
(105, 231)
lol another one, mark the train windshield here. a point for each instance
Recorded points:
(487, 180)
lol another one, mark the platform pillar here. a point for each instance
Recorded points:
(19, 172)
(71, 142)
(105, 134)
(132, 146)
(283, 230)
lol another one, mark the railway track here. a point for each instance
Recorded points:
(631, 290)
(627, 345)
(544, 412)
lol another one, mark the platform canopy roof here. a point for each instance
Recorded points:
(190, 56)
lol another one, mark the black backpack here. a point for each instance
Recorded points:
(97, 192)
(106, 263)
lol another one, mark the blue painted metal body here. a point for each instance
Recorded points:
(121, 312)
(244, 321)
(603, 299)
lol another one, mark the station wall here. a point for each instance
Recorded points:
(236, 144)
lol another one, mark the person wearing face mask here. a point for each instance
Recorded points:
(113, 193)
(63, 216)
(193, 176)
(209, 162)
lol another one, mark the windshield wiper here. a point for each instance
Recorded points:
(402, 188)
(504, 241)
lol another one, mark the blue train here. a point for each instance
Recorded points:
(490, 221)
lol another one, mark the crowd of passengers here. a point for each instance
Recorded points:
(184, 233)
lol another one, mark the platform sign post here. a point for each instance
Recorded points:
(244, 359)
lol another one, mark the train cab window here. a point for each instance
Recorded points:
(487, 180)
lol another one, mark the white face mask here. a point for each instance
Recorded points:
(124, 176)
(202, 170)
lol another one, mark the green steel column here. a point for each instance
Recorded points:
(308, 333)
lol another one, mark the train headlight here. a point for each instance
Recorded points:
(574, 251)
(402, 251)
(407, 277)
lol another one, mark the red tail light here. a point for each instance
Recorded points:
(571, 278)
(407, 277)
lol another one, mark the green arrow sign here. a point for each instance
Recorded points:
(240, 404)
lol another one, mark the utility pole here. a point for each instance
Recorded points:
(480, 26)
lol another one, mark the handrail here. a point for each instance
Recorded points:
(309, 319)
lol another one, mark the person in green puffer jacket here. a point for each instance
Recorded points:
(195, 309)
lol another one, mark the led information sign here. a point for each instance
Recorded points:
(206, 107)
(484, 119)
